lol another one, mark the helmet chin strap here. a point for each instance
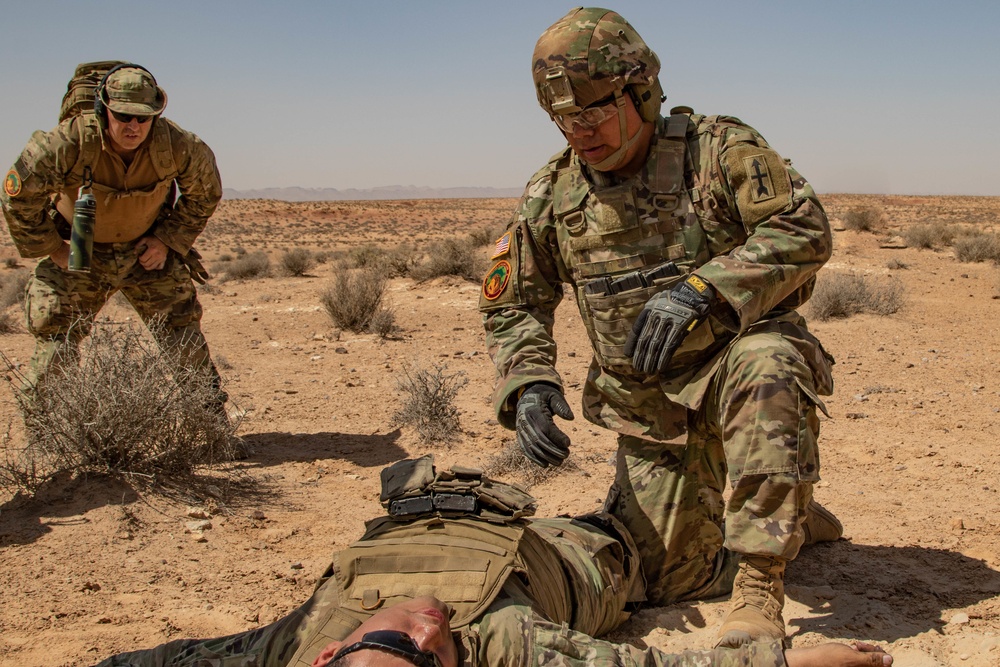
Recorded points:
(609, 163)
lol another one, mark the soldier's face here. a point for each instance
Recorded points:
(126, 137)
(598, 143)
(424, 619)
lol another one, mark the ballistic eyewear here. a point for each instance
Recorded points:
(127, 118)
(394, 642)
(589, 118)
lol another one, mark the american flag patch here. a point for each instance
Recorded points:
(502, 246)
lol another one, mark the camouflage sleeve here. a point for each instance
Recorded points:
(789, 236)
(270, 646)
(557, 645)
(519, 296)
(39, 172)
(200, 189)
(512, 636)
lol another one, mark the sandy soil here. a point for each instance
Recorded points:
(910, 458)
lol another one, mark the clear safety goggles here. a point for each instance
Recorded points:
(587, 119)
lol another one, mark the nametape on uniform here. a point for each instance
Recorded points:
(502, 247)
(496, 280)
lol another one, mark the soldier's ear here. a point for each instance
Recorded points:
(327, 653)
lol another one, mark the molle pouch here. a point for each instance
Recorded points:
(406, 478)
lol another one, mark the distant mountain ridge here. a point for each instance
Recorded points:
(384, 192)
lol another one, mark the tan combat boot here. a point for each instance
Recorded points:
(821, 525)
(758, 597)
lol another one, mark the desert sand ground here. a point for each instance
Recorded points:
(910, 457)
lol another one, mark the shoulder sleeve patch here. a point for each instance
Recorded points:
(12, 183)
(759, 181)
(501, 287)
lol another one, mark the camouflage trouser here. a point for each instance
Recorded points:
(758, 424)
(61, 306)
(270, 646)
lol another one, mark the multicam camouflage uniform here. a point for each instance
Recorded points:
(714, 199)
(132, 201)
(523, 593)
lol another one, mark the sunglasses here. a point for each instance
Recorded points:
(126, 118)
(394, 642)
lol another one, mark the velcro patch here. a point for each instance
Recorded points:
(12, 183)
(760, 182)
(761, 188)
(496, 280)
(502, 247)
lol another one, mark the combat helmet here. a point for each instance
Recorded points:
(594, 55)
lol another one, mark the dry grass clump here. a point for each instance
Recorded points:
(845, 294)
(487, 234)
(12, 288)
(355, 299)
(247, 266)
(978, 247)
(928, 235)
(429, 402)
(118, 408)
(297, 262)
(394, 263)
(8, 323)
(510, 463)
(460, 257)
(864, 219)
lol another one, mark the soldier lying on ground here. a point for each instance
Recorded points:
(458, 575)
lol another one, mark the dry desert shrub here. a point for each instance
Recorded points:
(12, 288)
(864, 219)
(355, 298)
(511, 463)
(977, 247)
(460, 257)
(119, 408)
(247, 266)
(383, 322)
(297, 262)
(429, 402)
(8, 323)
(928, 235)
(394, 263)
(487, 234)
(845, 294)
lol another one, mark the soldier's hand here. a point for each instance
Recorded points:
(666, 319)
(537, 434)
(61, 256)
(154, 257)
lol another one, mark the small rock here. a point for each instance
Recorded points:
(341, 350)
(103, 620)
(257, 515)
(198, 513)
(958, 524)
(296, 566)
(960, 618)
(198, 526)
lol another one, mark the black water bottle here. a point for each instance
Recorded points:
(81, 239)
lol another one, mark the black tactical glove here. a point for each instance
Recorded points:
(665, 321)
(537, 434)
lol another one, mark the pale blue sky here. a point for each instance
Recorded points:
(868, 97)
